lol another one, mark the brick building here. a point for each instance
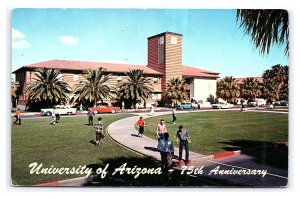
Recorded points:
(164, 63)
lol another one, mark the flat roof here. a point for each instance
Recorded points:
(164, 33)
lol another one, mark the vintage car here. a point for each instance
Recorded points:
(61, 109)
(258, 102)
(184, 105)
(222, 105)
(104, 109)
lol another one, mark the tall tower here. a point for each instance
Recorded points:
(165, 56)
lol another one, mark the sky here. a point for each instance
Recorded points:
(212, 39)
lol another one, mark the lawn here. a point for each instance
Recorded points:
(214, 132)
(66, 144)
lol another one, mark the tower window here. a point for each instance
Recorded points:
(161, 50)
(173, 40)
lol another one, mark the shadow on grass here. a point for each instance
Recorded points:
(125, 180)
(92, 142)
(263, 152)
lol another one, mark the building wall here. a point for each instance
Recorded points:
(75, 77)
(173, 56)
(202, 88)
(165, 56)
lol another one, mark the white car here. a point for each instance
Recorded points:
(258, 102)
(222, 105)
(61, 109)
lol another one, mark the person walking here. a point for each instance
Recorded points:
(198, 105)
(123, 105)
(183, 138)
(91, 115)
(57, 115)
(151, 111)
(161, 129)
(174, 115)
(99, 131)
(18, 117)
(141, 124)
(53, 118)
(166, 148)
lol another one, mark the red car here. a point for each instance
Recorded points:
(105, 109)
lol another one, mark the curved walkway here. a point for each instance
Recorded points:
(124, 132)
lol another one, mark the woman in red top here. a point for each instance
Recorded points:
(141, 124)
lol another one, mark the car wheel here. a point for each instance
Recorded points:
(69, 113)
(113, 111)
(181, 108)
(48, 113)
(96, 112)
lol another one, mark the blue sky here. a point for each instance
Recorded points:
(212, 39)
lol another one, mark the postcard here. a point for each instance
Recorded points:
(149, 97)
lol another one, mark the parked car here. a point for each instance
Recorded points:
(284, 103)
(258, 102)
(104, 109)
(202, 104)
(222, 105)
(61, 109)
(184, 105)
(276, 103)
(239, 101)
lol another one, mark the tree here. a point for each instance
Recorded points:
(135, 87)
(96, 87)
(276, 83)
(176, 90)
(228, 89)
(266, 27)
(270, 90)
(250, 89)
(48, 87)
(13, 90)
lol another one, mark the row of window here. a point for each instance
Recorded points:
(119, 78)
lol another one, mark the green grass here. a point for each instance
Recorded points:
(66, 144)
(214, 132)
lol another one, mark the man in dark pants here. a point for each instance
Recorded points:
(166, 149)
(183, 139)
(18, 117)
(91, 115)
(99, 131)
(174, 115)
(57, 115)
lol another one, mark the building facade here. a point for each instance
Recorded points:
(164, 63)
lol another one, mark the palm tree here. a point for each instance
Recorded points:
(266, 27)
(250, 89)
(48, 87)
(176, 90)
(95, 88)
(13, 90)
(276, 83)
(228, 89)
(135, 87)
(270, 90)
